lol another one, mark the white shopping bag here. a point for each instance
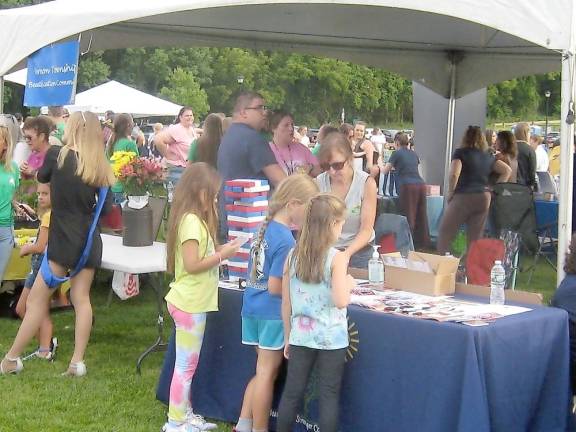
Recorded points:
(125, 285)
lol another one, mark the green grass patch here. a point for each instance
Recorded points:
(112, 397)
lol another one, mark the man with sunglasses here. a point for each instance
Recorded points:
(244, 152)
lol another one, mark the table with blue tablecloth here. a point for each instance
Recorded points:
(409, 374)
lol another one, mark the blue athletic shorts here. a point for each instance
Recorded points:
(265, 334)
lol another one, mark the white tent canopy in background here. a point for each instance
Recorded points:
(121, 98)
(18, 77)
(451, 47)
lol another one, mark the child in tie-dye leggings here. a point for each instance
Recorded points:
(193, 258)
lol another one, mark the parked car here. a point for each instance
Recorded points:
(551, 138)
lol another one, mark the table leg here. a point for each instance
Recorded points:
(160, 344)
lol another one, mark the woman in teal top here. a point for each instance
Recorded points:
(121, 141)
(9, 182)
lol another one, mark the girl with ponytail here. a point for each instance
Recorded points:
(261, 317)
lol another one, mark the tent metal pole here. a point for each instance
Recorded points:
(450, 128)
(566, 163)
(2, 94)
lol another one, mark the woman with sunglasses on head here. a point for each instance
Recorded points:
(357, 189)
(291, 155)
(174, 142)
(75, 172)
(468, 194)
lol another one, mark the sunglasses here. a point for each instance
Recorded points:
(259, 107)
(336, 166)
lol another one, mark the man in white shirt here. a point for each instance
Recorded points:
(378, 139)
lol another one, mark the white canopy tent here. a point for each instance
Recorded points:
(121, 98)
(450, 47)
(18, 77)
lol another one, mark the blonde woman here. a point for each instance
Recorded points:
(75, 172)
(9, 182)
(261, 317)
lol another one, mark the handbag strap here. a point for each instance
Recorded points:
(50, 278)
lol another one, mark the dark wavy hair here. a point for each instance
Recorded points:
(507, 143)
(474, 138)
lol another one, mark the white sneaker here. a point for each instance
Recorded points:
(185, 427)
(198, 422)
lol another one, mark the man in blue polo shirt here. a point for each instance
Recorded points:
(244, 153)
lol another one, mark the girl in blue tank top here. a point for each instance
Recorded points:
(315, 293)
(261, 317)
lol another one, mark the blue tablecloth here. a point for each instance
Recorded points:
(409, 374)
(547, 216)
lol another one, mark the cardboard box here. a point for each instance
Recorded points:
(441, 279)
(433, 190)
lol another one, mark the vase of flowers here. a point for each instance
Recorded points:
(139, 177)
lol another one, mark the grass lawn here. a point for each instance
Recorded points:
(111, 398)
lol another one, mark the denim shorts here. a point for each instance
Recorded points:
(35, 261)
(266, 334)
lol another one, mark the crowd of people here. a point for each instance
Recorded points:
(294, 305)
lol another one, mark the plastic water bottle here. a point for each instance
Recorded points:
(170, 190)
(497, 283)
(376, 268)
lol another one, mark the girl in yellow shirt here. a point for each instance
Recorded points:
(193, 258)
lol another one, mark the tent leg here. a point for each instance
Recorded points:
(1, 94)
(566, 163)
(450, 130)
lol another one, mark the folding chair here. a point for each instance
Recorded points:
(547, 232)
(511, 241)
(388, 223)
(513, 209)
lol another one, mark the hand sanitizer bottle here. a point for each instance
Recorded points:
(376, 268)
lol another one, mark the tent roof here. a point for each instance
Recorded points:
(121, 98)
(491, 40)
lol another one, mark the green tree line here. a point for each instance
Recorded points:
(315, 89)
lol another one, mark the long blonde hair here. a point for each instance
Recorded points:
(196, 194)
(317, 236)
(83, 134)
(297, 187)
(6, 158)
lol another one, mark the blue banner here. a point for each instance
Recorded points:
(52, 73)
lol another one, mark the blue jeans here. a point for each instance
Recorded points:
(174, 174)
(6, 247)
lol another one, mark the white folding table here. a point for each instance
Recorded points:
(139, 260)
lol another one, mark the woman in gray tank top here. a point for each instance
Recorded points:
(357, 189)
